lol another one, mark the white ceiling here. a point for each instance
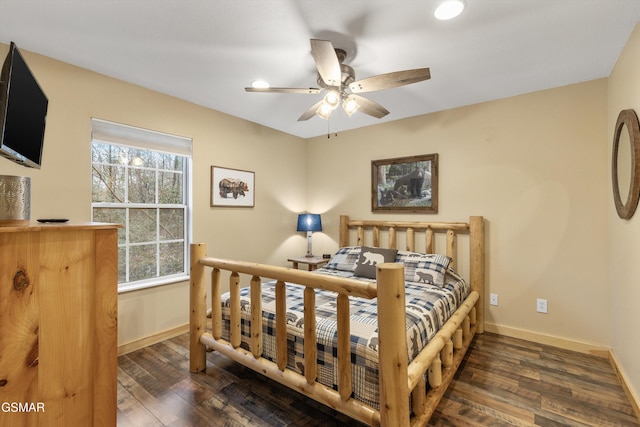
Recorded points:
(207, 51)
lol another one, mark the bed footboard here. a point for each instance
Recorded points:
(392, 345)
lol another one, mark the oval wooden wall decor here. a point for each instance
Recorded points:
(629, 120)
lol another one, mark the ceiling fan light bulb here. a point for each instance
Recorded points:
(449, 9)
(324, 111)
(332, 99)
(350, 106)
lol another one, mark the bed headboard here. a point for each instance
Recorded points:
(368, 232)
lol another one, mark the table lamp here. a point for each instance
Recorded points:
(309, 223)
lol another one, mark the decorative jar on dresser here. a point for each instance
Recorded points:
(58, 325)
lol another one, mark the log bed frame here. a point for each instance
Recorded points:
(398, 378)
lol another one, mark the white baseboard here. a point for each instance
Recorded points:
(624, 380)
(596, 350)
(152, 339)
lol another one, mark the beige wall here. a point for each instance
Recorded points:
(535, 166)
(62, 188)
(624, 237)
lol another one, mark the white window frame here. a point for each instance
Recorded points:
(103, 131)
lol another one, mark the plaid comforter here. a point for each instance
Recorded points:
(428, 308)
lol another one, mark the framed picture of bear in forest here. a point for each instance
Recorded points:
(405, 184)
(232, 187)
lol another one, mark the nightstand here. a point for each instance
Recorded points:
(313, 261)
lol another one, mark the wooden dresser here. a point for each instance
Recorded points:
(58, 325)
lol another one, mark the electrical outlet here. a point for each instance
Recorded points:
(541, 305)
(493, 299)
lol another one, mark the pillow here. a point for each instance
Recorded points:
(424, 268)
(369, 257)
(345, 259)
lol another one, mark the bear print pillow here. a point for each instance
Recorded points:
(370, 257)
(429, 269)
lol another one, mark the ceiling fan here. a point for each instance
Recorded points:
(338, 80)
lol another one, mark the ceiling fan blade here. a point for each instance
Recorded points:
(310, 112)
(390, 80)
(370, 107)
(283, 90)
(324, 54)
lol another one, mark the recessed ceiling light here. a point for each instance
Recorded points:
(449, 9)
(259, 84)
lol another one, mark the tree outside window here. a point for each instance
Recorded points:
(145, 190)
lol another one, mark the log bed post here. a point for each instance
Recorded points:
(344, 230)
(477, 267)
(392, 345)
(198, 308)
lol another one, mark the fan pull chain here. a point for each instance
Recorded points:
(329, 130)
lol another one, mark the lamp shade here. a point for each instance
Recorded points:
(309, 222)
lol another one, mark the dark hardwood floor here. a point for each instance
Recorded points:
(503, 382)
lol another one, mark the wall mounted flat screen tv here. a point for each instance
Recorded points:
(23, 112)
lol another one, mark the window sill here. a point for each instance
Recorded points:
(152, 283)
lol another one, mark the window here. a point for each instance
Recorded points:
(141, 179)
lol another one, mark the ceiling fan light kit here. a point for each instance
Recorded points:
(350, 105)
(332, 99)
(324, 111)
(339, 81)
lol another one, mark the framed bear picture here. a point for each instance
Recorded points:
(232, 187)
(405, 184)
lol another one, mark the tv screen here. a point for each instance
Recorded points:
(23, 112)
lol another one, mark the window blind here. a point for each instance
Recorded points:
(116, 133)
